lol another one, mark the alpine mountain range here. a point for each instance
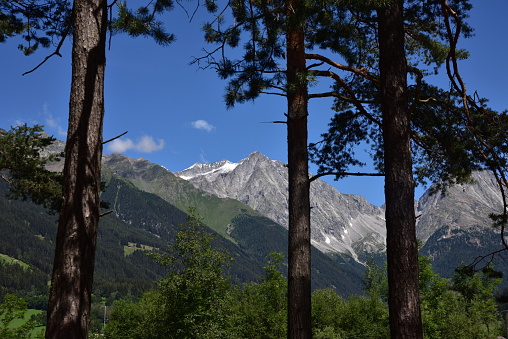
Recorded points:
(246, 204)
(348, 223)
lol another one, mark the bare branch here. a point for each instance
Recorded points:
(357, 174)
(315, 65)
(105, 213)
(341, 97)
(5, 179)
(273, 93)
(274, 122)
(105, 142)
(482, 145)
(57, 51)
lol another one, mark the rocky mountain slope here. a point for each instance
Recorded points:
(340, 222)
(465, 207)
(453, 227)
(456, 227)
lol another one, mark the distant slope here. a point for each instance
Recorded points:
(29, 232)
(456, 227)
(254, 234)
(152, 178)
(462, 207)
(340, 223)
(145, 218)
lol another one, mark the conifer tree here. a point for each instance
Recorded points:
(352, 29)
(37, 22)
(70, 294)
(402, 246)
(276, 30)
(23, 166)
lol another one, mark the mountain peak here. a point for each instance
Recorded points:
(256, 155)
(341, 223)
(209, 170)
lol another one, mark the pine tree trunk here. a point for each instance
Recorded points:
(402, 247)
(71, 284)
(299, 274)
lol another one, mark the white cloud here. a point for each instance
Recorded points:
(52, 123)
(203, 125)
(146, 145)
(120, 145)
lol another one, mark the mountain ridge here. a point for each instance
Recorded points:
(340, 223)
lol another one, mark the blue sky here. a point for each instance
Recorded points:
(174, 112)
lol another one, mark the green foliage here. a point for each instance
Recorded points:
(133, 319)
(12, 319)
(38, 22)
(195, 282)
(190, 302)
(463, 307)
(20, 155)
(143, 22)
(260, 310)
(466, 309)
(335, 317)
(376, 281)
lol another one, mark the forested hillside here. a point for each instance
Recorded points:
(142, 220)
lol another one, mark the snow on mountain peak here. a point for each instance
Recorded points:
(207, 170)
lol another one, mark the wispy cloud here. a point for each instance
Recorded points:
(202, 157)
(146, 145)
(51, 123)
(203, 125)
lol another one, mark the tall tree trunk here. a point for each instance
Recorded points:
(402, 247)
(299, 274)
(71, 284)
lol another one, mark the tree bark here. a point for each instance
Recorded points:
(402, 246)
(299, 273)
(71, 284)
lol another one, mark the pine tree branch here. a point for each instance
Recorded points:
(6, 180)
(357, 174)
(362, 72)
(105, 142)
(57, 51)
(105, 213)
(352, 95)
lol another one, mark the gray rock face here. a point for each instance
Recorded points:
(339, 222)
(464, 207)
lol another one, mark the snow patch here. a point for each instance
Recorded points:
(198, 170)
